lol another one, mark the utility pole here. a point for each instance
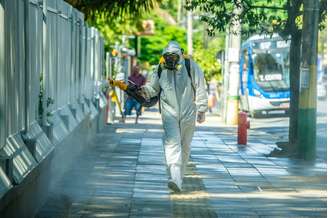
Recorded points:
(233, 41)
(308, 81)
(225, 68)
(189, 32)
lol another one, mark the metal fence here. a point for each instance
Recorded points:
(45, 47)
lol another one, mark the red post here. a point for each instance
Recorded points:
(243, 125)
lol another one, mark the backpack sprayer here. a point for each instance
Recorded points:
(133, 91)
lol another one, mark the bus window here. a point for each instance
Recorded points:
(245, 69)
(266, 68)
(270, 71)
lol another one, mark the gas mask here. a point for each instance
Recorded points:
(171, 60)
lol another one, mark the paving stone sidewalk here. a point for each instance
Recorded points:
(122, 174)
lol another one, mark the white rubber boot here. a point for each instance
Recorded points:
(175, 182)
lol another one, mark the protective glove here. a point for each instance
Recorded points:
(200, 117)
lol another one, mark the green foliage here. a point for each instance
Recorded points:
(114, 18)
(152, 46)
(113, 31)
(206, 57)
(170, 6)
(256, 16)
(322, 49)
(113, 9)
(323, 15)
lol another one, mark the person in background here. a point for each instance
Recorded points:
(212, 99)
(138, 80)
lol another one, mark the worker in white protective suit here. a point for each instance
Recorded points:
(182, 99)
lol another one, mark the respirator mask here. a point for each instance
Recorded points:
(171, 60)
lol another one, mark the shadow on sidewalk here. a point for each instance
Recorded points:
(193, 201)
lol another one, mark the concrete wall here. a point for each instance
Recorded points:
(25, 199)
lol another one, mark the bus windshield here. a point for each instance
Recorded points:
(271, 70)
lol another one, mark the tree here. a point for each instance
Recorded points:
(114, 18)
(265, 16)
(113, 9)
(153, 45)
(171, 6)
(117, 18)
(206, 57)
(113, 31)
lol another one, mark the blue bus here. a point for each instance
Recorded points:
(264, 75)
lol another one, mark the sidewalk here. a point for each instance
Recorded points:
(122, 174)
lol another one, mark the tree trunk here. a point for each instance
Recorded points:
(306, 143)
(294, 64)
(294, 79)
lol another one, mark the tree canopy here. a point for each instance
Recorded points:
(152, 46)
(113, 9)
(257, 16)
(117, 18)
(206, 56)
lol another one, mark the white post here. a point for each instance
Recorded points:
(189, 32)
(233, 68)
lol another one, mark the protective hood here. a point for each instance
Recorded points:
(172, 55)
(173, 47)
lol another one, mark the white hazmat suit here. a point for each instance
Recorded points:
(179, 106)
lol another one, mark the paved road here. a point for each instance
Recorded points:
(278, 126)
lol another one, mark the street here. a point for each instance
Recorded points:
(278, 127)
